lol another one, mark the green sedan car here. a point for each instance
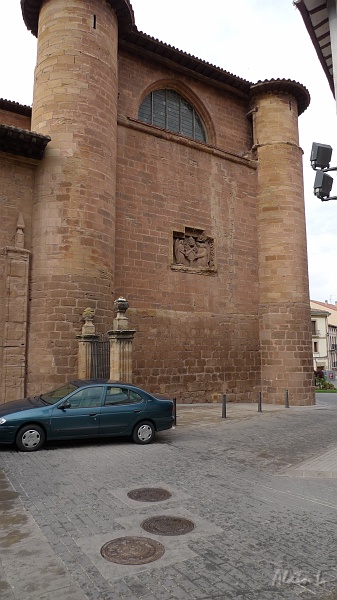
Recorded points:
(85, 409)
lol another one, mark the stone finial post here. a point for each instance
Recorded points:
(121, 339)
(88, 327)
(84, 344)
(20, 232)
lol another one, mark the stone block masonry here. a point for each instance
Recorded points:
(201, 233)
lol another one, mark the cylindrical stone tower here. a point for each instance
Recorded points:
(75, 103)
(285, 334)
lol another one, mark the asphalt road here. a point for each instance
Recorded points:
(261, 492)
(327, 399)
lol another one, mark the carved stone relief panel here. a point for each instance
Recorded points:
(193, 250)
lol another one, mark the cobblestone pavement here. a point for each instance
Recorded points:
(264, 514)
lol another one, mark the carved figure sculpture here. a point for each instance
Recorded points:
(190, 249)
(194, 251)
(179, 253)
(202, 257)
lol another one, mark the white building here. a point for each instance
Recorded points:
(324, 335)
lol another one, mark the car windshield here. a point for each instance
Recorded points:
(56, 395)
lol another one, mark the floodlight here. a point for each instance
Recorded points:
(322, 185)
(320, 156)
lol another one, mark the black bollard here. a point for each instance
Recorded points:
(259, 403)
(287, 398)
(224, 406)
(175, 411)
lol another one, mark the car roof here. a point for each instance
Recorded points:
(100, 381)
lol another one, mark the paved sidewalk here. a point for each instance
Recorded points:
(191, 415)
(323, 466)
(262, 530)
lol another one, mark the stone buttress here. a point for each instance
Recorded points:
(284, 307)
(75, 103)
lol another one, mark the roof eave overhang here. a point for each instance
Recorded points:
(284, 86)
(123, 9)
(15, 107)
(159, 51)
(129, 34)
(317, 40)
(21, 142)
(152, 47)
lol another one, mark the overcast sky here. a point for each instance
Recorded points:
(254, 39)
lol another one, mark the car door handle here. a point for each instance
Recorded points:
(92, 414)
(136, 410)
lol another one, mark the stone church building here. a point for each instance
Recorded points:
(141, 171)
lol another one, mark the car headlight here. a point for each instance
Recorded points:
(2, 421)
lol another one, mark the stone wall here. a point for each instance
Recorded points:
(197, 329)
(206, 241)
(196, 356)
(15, 119)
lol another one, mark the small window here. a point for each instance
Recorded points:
(168, 110)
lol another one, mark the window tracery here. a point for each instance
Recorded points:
(167, 109)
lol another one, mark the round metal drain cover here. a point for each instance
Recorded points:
(165, 525)
(149, 494)
(132, 551)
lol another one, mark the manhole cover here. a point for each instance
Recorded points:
(165, 525)
(149, 494)
(132, 551)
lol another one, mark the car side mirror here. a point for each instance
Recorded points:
(65, 404)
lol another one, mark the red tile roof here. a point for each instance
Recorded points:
(325, 304)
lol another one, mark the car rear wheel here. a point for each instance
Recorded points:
(143, 433)
(29, 438)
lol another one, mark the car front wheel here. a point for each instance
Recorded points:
(143, 433)
(30, 438)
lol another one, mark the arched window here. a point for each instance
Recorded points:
(169, 110)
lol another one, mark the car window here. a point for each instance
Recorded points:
(56, 395)
(134, 397)
(86, 398)
(116, 395)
